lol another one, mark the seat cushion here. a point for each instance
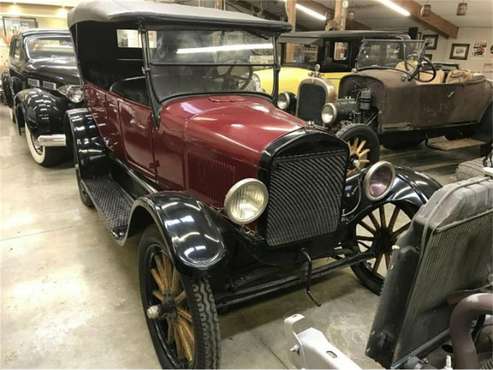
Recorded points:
(459, 76)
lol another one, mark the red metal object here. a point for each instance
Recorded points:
(203, 144)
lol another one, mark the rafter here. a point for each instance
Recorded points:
(433, 21)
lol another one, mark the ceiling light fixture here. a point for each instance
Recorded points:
(396, 8)
(310, 12)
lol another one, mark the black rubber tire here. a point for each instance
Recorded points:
(352, 131)
(200, 301)
(401, 141)
(368, 279)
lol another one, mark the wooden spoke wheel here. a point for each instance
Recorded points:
(364, 146)
(377, 232)
(180, 311)
(358, 152)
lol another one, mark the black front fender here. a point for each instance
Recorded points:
(190, 229)
(42, 111)
(409, 187)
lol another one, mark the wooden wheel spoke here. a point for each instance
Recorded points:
(158, 295)
(361, 146)
(168, 269)
(171, 329)
(364, 161)
(383, 221)
(184, 314)
(175, 282)
(186, 341)
(393, 218)
(401, 230)
(178, 342)
(367, 227)
(374, 220)
(364, 152)
(365, 238)
(160, 270)
(157, 280)
(354, 146)
(180, 298)
(377, 263)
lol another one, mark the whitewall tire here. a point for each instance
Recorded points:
(46, 157)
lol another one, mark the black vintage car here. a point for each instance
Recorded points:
(42, 83)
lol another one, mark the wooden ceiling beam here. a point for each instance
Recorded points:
(433, 21)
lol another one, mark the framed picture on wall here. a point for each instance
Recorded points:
(459, 51)
(431, 41)
(14, 25)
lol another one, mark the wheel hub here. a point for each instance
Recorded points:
(383, 241)
(165, 310)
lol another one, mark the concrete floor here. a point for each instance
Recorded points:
(69, 294)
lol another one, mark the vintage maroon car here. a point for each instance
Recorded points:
(233, 197)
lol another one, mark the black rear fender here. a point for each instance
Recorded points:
(191, 230)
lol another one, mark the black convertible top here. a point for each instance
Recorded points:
(134, 11)
(311, 37)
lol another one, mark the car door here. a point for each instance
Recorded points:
(136, 128)
(469, 100)
(16, 80)
(434, 105)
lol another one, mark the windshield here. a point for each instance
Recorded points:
(199, 61)
(46, 47)
(390, 54)
(300, 54)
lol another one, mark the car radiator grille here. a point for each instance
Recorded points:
(305, 193)
(311, 100)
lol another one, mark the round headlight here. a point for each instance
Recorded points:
(329, 113)
(73, 93)
(378, 180)
(283, 101)
(246, 201)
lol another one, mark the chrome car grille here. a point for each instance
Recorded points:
(311, 99)
(305, 194)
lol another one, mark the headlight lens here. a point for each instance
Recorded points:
(283, 101)
(329, 113)
(378, 180)
(246, 201)
(73, 93)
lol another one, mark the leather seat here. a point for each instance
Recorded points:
(459, 76)
(438, 79)
(446, 250)
(132, 88)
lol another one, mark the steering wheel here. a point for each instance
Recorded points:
(226, 74)
(418, 70)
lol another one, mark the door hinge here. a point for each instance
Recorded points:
(154, 165)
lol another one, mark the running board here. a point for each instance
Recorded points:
(112, 203)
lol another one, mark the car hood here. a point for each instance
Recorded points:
(239, 127)
(60, 70)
